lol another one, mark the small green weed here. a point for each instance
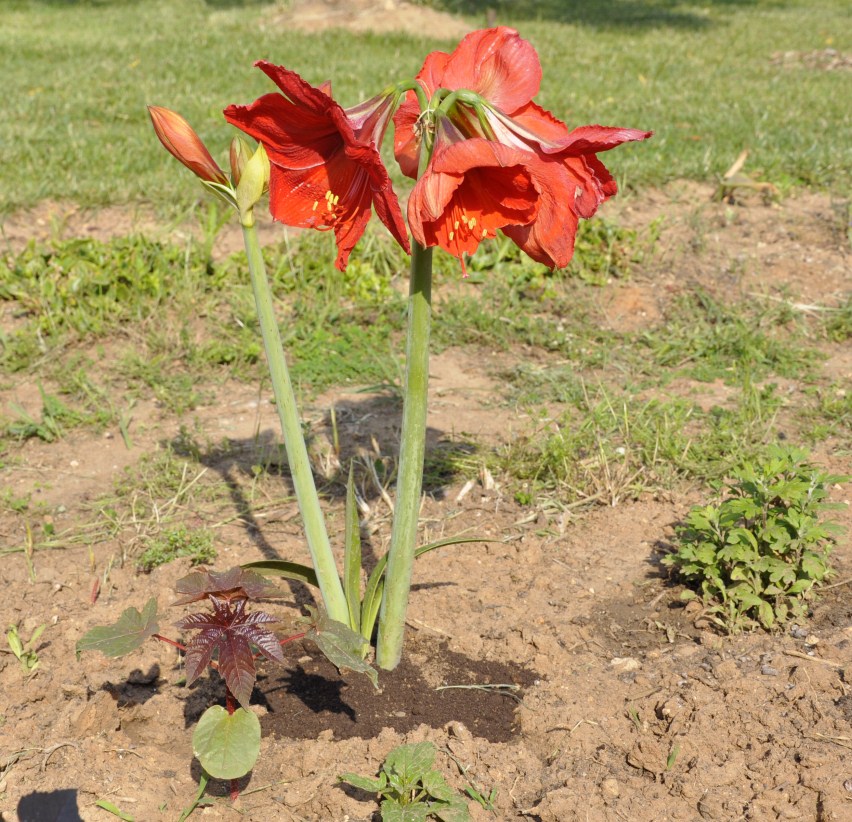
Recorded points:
(756, 557)
(25, 652)
(410, 789)
(176, 543)
(830, 414)
(56, 416)
(838, 326)
(603, 251)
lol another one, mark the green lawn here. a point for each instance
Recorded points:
(77, 77)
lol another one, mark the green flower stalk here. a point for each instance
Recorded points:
(297, 454)
(411, 454)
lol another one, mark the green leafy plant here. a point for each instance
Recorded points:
(410, 789)
(25, 652)
(230, 639)
(756, 557)
(176, 543)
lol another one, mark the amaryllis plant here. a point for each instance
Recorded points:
(486, 159)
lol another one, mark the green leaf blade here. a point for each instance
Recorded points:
(393, 811)
(126, 635)
(352, 556)
(284, 568)
(344, 647)
(363, 783)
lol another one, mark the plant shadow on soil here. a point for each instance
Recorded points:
(309, 698)
(359, 425)
(431, 686)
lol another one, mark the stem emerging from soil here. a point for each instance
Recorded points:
(411, 452)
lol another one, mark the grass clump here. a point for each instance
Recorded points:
(755, 558)
(56, 417)
(178, 543)
(610, 445)
(838, 326)
(85, 289)
(709, 340)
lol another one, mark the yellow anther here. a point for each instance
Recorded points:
(452, 234)
(484, 233)
(472, 222)
(316, 203)
(336, 199)
(456, 226)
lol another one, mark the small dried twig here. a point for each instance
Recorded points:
(836, 584)
(800, 655)
(49, 751)
(120, 751)
(371, 469)
(427, 626)
(843, 741)
(497, 688)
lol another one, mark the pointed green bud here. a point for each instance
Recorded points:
(240, 154)
(254, 181)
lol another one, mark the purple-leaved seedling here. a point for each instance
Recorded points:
(230, 639)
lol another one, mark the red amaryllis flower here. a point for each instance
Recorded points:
(325, 168)
(179, 138)
(495, 63)
(505, 71)
(472, 188)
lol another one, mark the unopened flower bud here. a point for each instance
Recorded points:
(183, 143)
(254, 181)
(240, 154)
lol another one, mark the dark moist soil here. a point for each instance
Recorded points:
(309, 696)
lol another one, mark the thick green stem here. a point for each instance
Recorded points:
(411, 451)
(291, 425)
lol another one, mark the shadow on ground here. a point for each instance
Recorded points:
(638, 14)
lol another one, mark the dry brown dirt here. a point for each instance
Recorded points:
(627, 711)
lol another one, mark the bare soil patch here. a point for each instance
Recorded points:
(374, 16)
(636, 711)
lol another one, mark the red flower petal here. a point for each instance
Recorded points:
(471, 189)
(322, 174)
(497, 64)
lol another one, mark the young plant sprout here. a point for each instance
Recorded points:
(229, 639)
(486, 159)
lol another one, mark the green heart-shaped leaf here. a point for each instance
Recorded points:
(227, 745)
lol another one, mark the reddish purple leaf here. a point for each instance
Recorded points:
(267, 643)
(198, 622)
(199, 652)
(236, 664)
(229, 632)
(233, 584)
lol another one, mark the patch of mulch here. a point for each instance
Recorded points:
(309, 696)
